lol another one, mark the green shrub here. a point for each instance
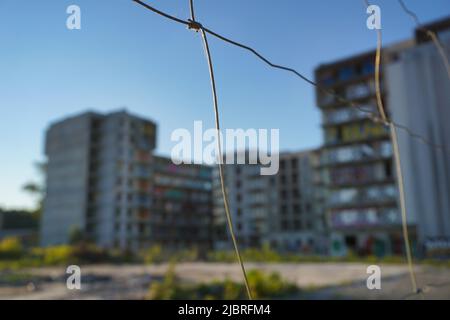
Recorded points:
(156, 254)
(153, 255)
(221, 256)
(263, 286)
(187, 255)
(57, 255)
(165, 289)
(11, 248)
(88, 253)
(231, 290)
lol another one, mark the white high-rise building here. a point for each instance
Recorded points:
(419, 98)
(98, 179)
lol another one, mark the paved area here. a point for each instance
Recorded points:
(317, 280)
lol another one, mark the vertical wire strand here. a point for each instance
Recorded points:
(191, 7)
(381, 109)
(380, 106)
(398, 167)
(219, 150)
(401, 188)
(220, 163)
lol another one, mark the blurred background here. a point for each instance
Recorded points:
(85, 125)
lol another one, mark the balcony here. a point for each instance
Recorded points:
(354, 133)
(365, 218)
(353, 197)
(348, 114)
(357, 153)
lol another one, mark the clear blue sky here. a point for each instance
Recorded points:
(126, 56)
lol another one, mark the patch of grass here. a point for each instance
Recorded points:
(268, 255)
(14, 257)
(156, 254)
(263, 286)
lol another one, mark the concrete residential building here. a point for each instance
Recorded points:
(182, 205)
(357, 161)
(251, 200)
(101, 180)
(276, 210)
(357, 164)
(419, 93)
(297, 223)
(98, 178)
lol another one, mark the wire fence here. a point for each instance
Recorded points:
(380, 118)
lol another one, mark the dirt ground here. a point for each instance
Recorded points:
(316, 280)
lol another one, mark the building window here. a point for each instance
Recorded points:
(388, 169)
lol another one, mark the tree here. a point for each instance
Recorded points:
(76, 236)
(37, 189)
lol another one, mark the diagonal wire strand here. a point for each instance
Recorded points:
(431, 34)
(372, 116)
(166, 15)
